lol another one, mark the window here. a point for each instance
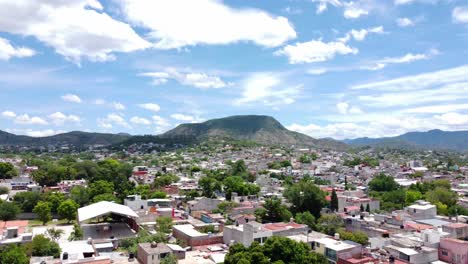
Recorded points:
(444, 253)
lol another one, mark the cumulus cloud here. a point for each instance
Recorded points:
(72, 98)
(196, 79)
(150, 106)
(269, 89)
(360, 35)
(404, 22)
(25, 119)
(118, 106)
(8, 114)
(162, 124)
(140, 121)
(8, 51)
(74, 29)
(314, 51)
(178, 23)
(112, 119)
(35, 133)
(59, 118)
(460, 14)
(345, 108)
(351, 10)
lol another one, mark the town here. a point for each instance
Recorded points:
(234, 202)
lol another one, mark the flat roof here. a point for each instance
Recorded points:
(189, 230)
(336, 245)
(103, 208)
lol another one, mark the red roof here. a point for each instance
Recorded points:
(21, 224)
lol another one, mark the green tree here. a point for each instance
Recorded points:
(209, 186)
(42, 246)
(361, 208)
(8, 211)
(4, 190)
(306, 218)
(76, 234)
(306, 196)
(442, 195)
(334, 201)
(100, 187)
(54, 199)
(54, 233)
(43, 212)
(412, 196)
(164, 224)
(383, 183)
(329, 224)
(170, 259)
(68, 209)
(358, 237)
(7, 170)
(13, 254)
(80, 195)
(367, 208)
(27, 200)
(105, 197)
(275, 211)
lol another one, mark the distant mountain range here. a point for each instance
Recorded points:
(433, 139)
(256, 128)
(76, 138)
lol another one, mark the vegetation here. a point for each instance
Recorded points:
(273, 211)
(274, 250)
(305, 196)
(8, 211)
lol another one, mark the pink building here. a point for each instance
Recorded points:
(453, 251)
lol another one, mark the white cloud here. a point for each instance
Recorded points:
(183, 117)
(59, 118)
(419, 81)
(112, 119)
(179, 23)
(115, 105)
(322, 5)
(72, 98)
(150, 106)
(140, 121)
(314, 51)
(460, 14)
(8, 114)
(361, 34)
(353, 10)
(196, 79)
(269, 89)
(8, 51)
(25, 119)
(35, 133)
(407, 58)
(453, 119)
(345, 108)
(404, 22)
(436, 109)
(74, 29)
(118, 106)
(160, 121)
(403, 2)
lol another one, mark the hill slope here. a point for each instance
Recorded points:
(76, 138)
(433, 139)
(257, 128)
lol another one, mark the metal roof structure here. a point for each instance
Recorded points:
(104, 208)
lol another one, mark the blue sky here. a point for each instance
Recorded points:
(327, 68)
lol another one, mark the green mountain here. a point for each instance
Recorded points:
(257, 128)
(75, 138)
(432, 139)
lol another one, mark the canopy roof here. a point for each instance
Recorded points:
(104, 208)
